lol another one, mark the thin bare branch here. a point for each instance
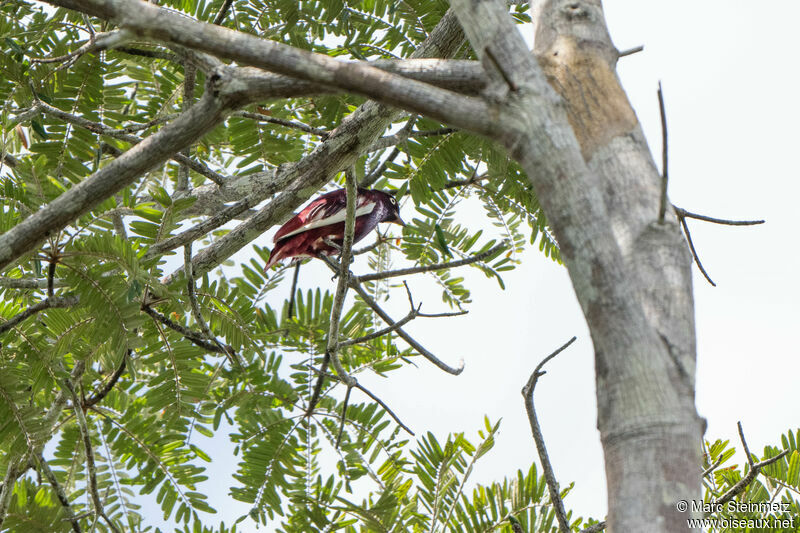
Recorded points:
(381, 332)
(713, 467)
(631, 51)
(694, 252)
(344, 277)
(344, 414)
(192, 336)
(47, 303)
(91, 469)
(223, 11)
(375, 398)
(430, 268)
(755, 469)
(45, 469)
(102, 392)
(662, 208)
(403, 334)
(378, 171)
(282, 122)
(380, 402)
(552, 483)
(295, 277)
(688, 214)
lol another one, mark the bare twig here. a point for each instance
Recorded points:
(429, 268)
(45, 469)
(401, 137)
(201, 229)
(381, 332)
(295, 277)
(689, 214)
(713, 467)
(80, 417)
(378, 171)
(552, 483)
(755, 469)
(662, 207)
(694, 252)
(192, 336)
(282, 122)
(223, 11)
(198, 316)
(631, 51)
(344, 278)
(102, 392)
(344, 415)
(402, 333)
(323, 369)
(380, 402)
(47, 303)
(51, 274)
(102, 129)
(368, 248)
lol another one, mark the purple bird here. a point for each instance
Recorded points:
(305, 234)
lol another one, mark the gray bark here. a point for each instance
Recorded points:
(592, 170)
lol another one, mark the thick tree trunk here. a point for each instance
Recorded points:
(592, 170)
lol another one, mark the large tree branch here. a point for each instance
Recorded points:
(148, 20)
(119, 173)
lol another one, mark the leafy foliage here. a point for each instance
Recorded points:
(149, 366)
(772, 495)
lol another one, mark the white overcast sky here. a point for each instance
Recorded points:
(729, 73)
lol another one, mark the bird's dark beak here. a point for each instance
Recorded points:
(397, 220)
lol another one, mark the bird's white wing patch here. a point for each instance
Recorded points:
(339, 216)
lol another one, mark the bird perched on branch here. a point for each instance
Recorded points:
(311, 232)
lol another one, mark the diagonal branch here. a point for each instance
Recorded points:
(345, 256)
(102, 129)
(430, 268)
(114, 176)
(47, 303)
(59, 490)
(662, 209)
(192, 336)
(102, 392)
(755, 469)
(725, 222)
(402, 333)
(694, 252)
(552, 483)
(89, 451)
